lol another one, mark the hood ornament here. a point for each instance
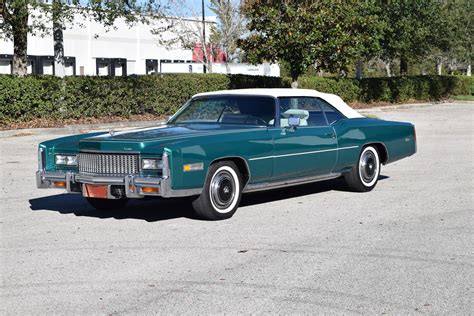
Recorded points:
(111, 132)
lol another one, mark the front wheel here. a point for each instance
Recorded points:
(221, 194)
(364, 175)
(107, 204)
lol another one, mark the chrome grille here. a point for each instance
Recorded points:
(107, 164)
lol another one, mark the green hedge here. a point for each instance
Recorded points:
(394, 89)
(25, 99)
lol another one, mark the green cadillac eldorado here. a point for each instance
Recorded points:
(225, 143)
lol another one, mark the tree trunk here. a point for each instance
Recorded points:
(20, 41)
(294, 78)
(439, 66)
(387, 68)
(469, 70)
(59, 66)
(359, 70)
(403, 66)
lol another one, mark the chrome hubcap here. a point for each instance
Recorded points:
(368, 167)
(222, 189)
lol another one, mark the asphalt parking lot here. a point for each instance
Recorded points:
(405, 248)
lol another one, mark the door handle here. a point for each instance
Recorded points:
(331, 134)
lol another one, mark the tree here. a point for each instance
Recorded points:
(412, 29)
(188, 28)
(459, 33)
(326, 34)
(229, 28)
(55, 17)
(14, 26)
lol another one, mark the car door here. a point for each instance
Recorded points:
(307, 150)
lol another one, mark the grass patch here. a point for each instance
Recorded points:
(463, 97)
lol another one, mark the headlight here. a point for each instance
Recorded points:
(152, 164)
(66, 160)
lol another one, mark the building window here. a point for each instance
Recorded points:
(46, 64)
(70, 66)
(119, 67)
(6, 64)
(151, 66)
(111, 66)
(103, 67)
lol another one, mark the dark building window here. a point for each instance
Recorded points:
(103, 67)
(151, 66)
(111, 66)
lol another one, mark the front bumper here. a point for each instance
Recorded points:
(130, 186)
(117, 187)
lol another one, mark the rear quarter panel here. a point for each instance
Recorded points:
(397, 137)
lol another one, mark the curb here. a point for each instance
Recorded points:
(410, 105)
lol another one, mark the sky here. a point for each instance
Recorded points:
(195, 5)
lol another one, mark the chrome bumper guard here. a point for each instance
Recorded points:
(133, 185)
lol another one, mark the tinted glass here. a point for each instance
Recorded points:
(258, 111)
(306, 108)
(332, 114)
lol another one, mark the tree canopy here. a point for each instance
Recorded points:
(328, 34)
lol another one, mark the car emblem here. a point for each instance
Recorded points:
(111, 132)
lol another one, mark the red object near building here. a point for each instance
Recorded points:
(218, 55)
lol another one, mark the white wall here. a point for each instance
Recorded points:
(135, 44)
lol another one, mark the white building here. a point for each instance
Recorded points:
(124, 50)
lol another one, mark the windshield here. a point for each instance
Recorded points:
(240, 110)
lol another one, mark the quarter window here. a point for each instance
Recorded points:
(332, 114)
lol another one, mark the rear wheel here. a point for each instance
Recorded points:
(107, 204)
(221, 194)
(364, 175)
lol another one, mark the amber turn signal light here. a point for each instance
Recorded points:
(59, 184)
(150, 190)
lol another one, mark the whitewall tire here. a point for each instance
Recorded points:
(221, 194)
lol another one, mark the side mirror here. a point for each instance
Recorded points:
(294, 121)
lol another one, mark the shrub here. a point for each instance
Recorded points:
(31, 97)
(347, 89)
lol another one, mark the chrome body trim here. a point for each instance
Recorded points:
(304, 153)
(285, 183)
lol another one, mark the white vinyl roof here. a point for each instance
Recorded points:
(333, 99)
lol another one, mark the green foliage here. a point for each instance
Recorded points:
(394, 89)
(347, 89)
(412, 29)
(24, 99)
(330, 34)
(31, 97)
(400, 89)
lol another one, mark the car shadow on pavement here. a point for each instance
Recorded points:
(152, 210)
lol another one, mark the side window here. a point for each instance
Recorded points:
(306, 108)
(331, 113)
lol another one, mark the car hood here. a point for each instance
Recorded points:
(153, 138)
